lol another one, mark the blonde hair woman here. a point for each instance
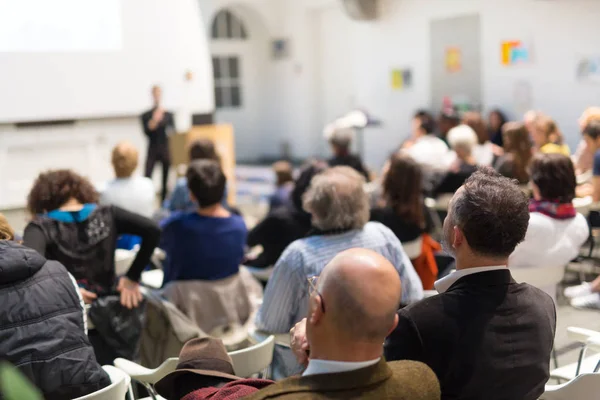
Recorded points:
(128, 191)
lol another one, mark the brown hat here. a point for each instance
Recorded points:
(203, 357)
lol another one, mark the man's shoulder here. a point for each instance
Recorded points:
(414, 379)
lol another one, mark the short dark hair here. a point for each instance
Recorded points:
(206, 181)
(52, 189)
(283, 172)
(427, 122)
(493, 213)
(554, 175)
(592, 129)
(203, 149)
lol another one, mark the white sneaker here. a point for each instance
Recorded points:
(590, 301)
(577, 291)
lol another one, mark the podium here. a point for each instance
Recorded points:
(222, 136)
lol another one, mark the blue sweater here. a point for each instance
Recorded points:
(202, 248)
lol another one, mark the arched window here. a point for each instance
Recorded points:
(227, 68)
(227, 26)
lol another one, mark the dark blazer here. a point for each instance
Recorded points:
(402, 380)
(158, 137)
(487, 337)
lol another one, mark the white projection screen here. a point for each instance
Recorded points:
(60, 25)
(78, 59)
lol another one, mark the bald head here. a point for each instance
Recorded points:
(362, 291)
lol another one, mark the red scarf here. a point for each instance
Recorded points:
(233, 390)
(553, 209)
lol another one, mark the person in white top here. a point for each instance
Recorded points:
(133, 193)
(556, 231)
(484, 151)
(425, 147)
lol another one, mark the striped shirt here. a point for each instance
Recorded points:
(286, 298)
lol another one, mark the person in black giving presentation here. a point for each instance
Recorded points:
(157, 123)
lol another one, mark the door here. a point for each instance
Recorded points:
(456, 61)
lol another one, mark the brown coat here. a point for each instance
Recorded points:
(398, 380)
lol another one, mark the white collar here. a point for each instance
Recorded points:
(317, 367)
(444, 284)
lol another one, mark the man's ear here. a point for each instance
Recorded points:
(192, 197)
(459, 238)
(315, 310)
(396, 319)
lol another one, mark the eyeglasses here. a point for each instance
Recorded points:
(312, 289)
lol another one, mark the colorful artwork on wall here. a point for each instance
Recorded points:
(515, 52)
(588, 69)
(401, 79)
(453, 59)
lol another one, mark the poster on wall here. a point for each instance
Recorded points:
(588, 70)
(515, 52)
(453, 59)
(401, 79)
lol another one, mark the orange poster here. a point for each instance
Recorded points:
(453, 59)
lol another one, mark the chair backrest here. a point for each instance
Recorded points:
(545, 278)
(123, 260)
(116, 390)
(583, 205)
(254, 359)
(413, 249)
(583, 387)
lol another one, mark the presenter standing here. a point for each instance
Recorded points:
(158, 124)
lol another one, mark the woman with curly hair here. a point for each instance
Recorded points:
(69, 226)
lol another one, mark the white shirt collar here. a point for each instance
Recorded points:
(317, 367)
(444, 284)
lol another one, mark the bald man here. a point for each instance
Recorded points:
(352, 308)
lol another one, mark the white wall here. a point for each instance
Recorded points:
(560, 31)
(85, 147)
(162, 40)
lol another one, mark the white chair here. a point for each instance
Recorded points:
(118, 388)
(589, 339)
(253, 360)
(246, 363)
(583, 205)
(545, 278)
(123, 260)
(153, 278)
(413, 249)
(146, 376)
(583, 387)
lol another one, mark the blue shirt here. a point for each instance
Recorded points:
(286, 297)
(597, 163)
(202, 248)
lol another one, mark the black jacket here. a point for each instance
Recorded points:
(276, 232)
(87, 247)
(352, 161)
(41, 325)
(487, 337)
(158, 137)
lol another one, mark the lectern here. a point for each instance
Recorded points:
(222, 136)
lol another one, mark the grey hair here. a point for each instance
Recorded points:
(462, 136)
(336, 199)
(342, 137)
